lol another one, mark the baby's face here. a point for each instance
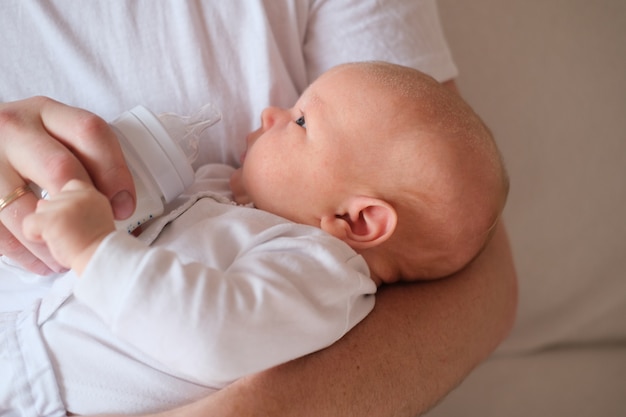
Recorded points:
(298, 162)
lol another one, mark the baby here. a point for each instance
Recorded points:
(385, 159)
(377, 174)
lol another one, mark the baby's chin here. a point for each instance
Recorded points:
(240, 196)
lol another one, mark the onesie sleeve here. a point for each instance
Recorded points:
(403, 32)
(284, 296)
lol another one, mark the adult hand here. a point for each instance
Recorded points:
(49, 143)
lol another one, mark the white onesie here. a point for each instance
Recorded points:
(222, 292)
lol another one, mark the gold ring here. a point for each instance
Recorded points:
(14, 195)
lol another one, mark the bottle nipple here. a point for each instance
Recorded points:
(159, 151)
(188, 131)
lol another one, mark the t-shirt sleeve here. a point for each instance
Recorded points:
(403, 32)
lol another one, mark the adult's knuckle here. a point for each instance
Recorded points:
(61, 166)
(39, 101)
(90, 127)
(18, 117)
(9, 119)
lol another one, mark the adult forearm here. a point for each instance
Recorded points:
(420, 341)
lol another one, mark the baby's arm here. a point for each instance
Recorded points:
(72, 223)
(218, 298)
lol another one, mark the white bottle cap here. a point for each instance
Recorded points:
(164, 159)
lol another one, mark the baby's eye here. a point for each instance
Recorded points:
(301, 122)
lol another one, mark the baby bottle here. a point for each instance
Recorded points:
(159, 151)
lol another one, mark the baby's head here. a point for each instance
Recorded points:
(386, 159)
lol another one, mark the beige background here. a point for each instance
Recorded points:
(549, 78)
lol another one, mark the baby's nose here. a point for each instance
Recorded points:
(270, 116)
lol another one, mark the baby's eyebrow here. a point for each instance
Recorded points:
(316, 100)
(307, 95)
(313, 100)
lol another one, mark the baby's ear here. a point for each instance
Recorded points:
(362, 222)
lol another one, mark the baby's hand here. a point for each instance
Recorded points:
(72, 223)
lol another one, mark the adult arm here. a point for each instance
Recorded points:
(50, 143)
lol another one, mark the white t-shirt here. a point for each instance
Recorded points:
(241, 55)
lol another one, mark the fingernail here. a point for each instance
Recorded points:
(123, 205)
